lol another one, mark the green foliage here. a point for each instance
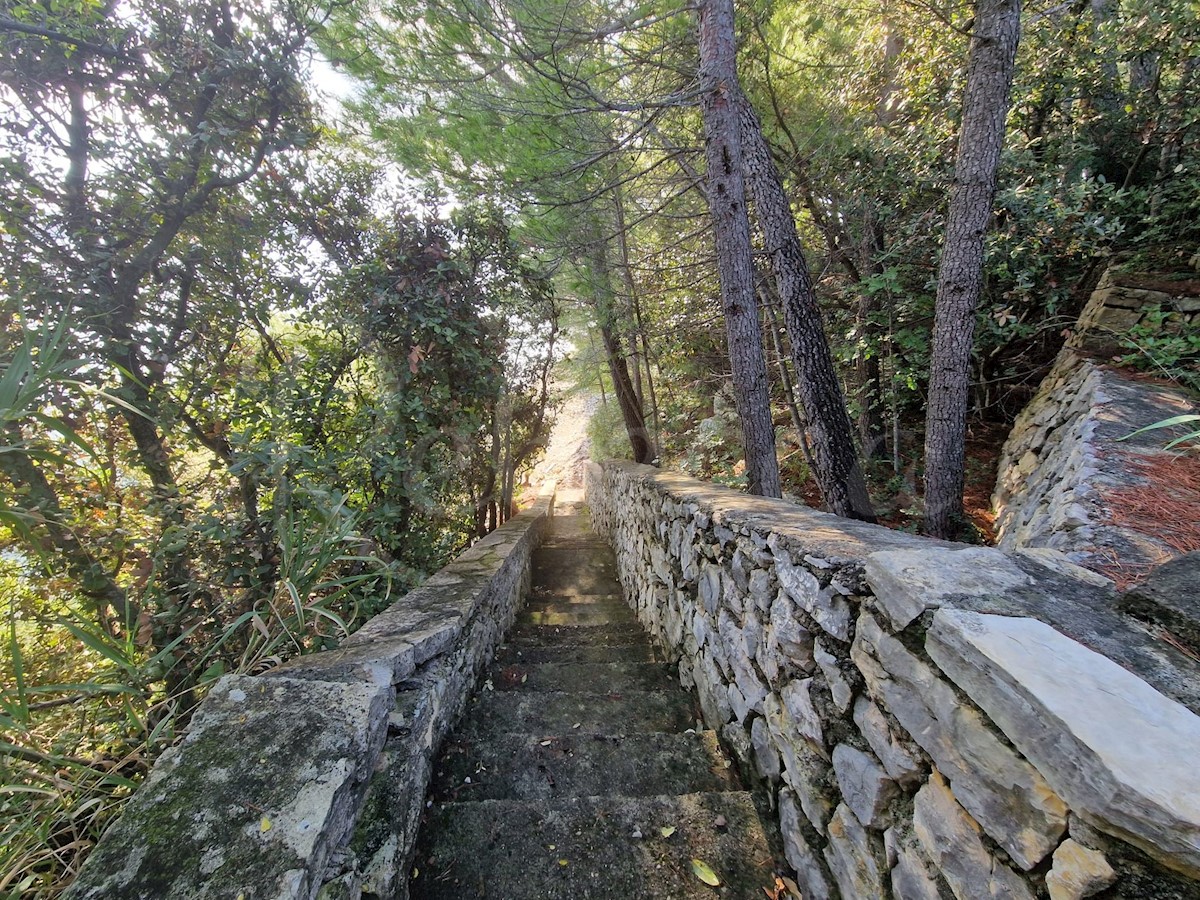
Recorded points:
(1164, 348)
(606, 433)
(1187, 439)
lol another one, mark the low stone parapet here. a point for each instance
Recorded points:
(309, 779)
(933, 719)
(1069, 466)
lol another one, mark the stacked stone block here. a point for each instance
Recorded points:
(923, 732)
(1068, 451)
(309, 780)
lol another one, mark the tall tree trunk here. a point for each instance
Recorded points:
(731, 228)
(835, 461)
(960, 273)
(618, 367)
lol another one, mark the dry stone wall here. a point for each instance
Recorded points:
(1066, 459)
(933, 720)
(309, 780)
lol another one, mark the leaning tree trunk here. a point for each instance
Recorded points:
(627, 399)
(960, 273)
(835, 461)
(731, 229)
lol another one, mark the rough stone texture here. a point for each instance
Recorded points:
(951, 838)
(902, 763)
(1170, 596)
(1119, 752)
(1008, 796)
(1063, 457)
(316, 771)
(914, 876)
(854, 855)
(810, 871)
(908, 582)
(1078, 872)
(259, 816)
(787, 587)
(866, 787)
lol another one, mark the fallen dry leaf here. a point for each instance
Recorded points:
(704, 872)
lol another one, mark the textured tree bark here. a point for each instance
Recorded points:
(618, 368)
(835, 462)
(731, 230)
(960, 273)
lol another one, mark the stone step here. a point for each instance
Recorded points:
(538, 598)
(602, 634)
(567, 614)
(583, 676)
(569, 525)
(521, 653)
(520, 767)
(584, 848)
(573, 559)
(548, 713)
(589, 603)
(570, 595)
(581, 580)
(574, 553)
(586, 541)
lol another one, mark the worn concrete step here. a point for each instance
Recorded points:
(547, 713)
(578, 581)
(585, 848)
(521, 653)
(569, 525)
(574, 553)
(538, 598)
(591, 603)
(611, 593)
(573, 558)
(567, 614)
(583, 676)
(586, 540)
(603, 634)
(520, 767)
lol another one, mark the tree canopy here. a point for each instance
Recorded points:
(269, 360)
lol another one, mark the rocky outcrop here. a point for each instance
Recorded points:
(311, 777)
(934, 720)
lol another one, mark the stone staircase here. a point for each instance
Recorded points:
(579, 770)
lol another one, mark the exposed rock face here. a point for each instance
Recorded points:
(916, 751)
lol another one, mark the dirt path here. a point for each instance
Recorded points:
(567, 452)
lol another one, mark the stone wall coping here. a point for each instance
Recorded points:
(270, 777)
(1119, 752)
(820, 533)
(1044, 714)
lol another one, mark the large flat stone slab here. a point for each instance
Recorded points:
(908, 582)
(1121, 754)
(257, 816)
(594, 847)
(1007, 795)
